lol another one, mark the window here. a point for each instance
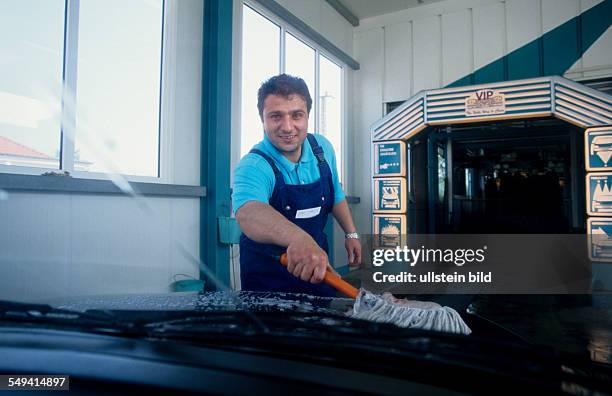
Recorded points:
(32, 34)
(83, 85)
(300, 61)
(285, 51)
(330, 110)
(258, 63)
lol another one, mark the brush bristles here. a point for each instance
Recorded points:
(415, 315)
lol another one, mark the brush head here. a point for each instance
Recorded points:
(405, 313)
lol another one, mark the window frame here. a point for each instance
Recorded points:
(319, 51)
(68, 113)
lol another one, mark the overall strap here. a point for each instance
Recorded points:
(324, 168)
(277, 172)
(316, 149)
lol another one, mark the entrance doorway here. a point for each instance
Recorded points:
(522, 177)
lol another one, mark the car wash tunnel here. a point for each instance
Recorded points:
(520, 157)
(505, 158)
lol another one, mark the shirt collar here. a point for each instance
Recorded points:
(307, 154)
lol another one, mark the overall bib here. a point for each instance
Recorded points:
(260, 269)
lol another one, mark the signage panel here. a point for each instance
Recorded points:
(390, 158)
(390, 195)
(389, 230)
(485, 102)
(600, 239)
(599, 193)
(598, 149)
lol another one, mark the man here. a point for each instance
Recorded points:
(284, 190)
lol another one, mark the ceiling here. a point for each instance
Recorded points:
(368, 8)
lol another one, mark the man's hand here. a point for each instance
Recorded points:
(353, 250)
(306, 260)
(262, 223)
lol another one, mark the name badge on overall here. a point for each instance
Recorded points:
(307, 213)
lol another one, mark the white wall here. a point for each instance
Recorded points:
(430, 46)
(60, 244)
(56, 245)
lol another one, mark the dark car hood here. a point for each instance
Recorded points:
(209, 301)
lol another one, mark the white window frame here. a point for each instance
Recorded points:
(285, 27)
(68, 116)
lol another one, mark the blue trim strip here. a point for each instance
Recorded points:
(215, 149)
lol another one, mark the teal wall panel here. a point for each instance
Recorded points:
(551, 54)
(215, 149)
(525, 62)
(561, 48)
(492, 72)
(594, 23)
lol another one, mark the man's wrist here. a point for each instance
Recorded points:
(351, 235)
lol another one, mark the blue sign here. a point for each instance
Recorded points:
(389, 159)
(390, 195)
(599, 194)
(598, 148)
(389, 231)
(600, 239)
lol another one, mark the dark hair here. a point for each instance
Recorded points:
(283, 85)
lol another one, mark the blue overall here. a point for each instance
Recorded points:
(260, 269)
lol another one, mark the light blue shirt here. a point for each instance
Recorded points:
(254, 178)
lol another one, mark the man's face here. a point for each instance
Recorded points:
(285, 121)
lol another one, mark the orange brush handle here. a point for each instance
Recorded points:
(331, 279)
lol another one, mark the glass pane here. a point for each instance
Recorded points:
(441, 174)
(32, 34)
(330, 119)
(259, 62)
(118, 86)
(300, 62)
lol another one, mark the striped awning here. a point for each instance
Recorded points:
(538, 97)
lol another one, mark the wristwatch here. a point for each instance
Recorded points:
(351, 235)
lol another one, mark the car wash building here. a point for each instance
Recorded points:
(517, 157)
(525, 156)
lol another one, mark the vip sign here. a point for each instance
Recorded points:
(485, 102)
